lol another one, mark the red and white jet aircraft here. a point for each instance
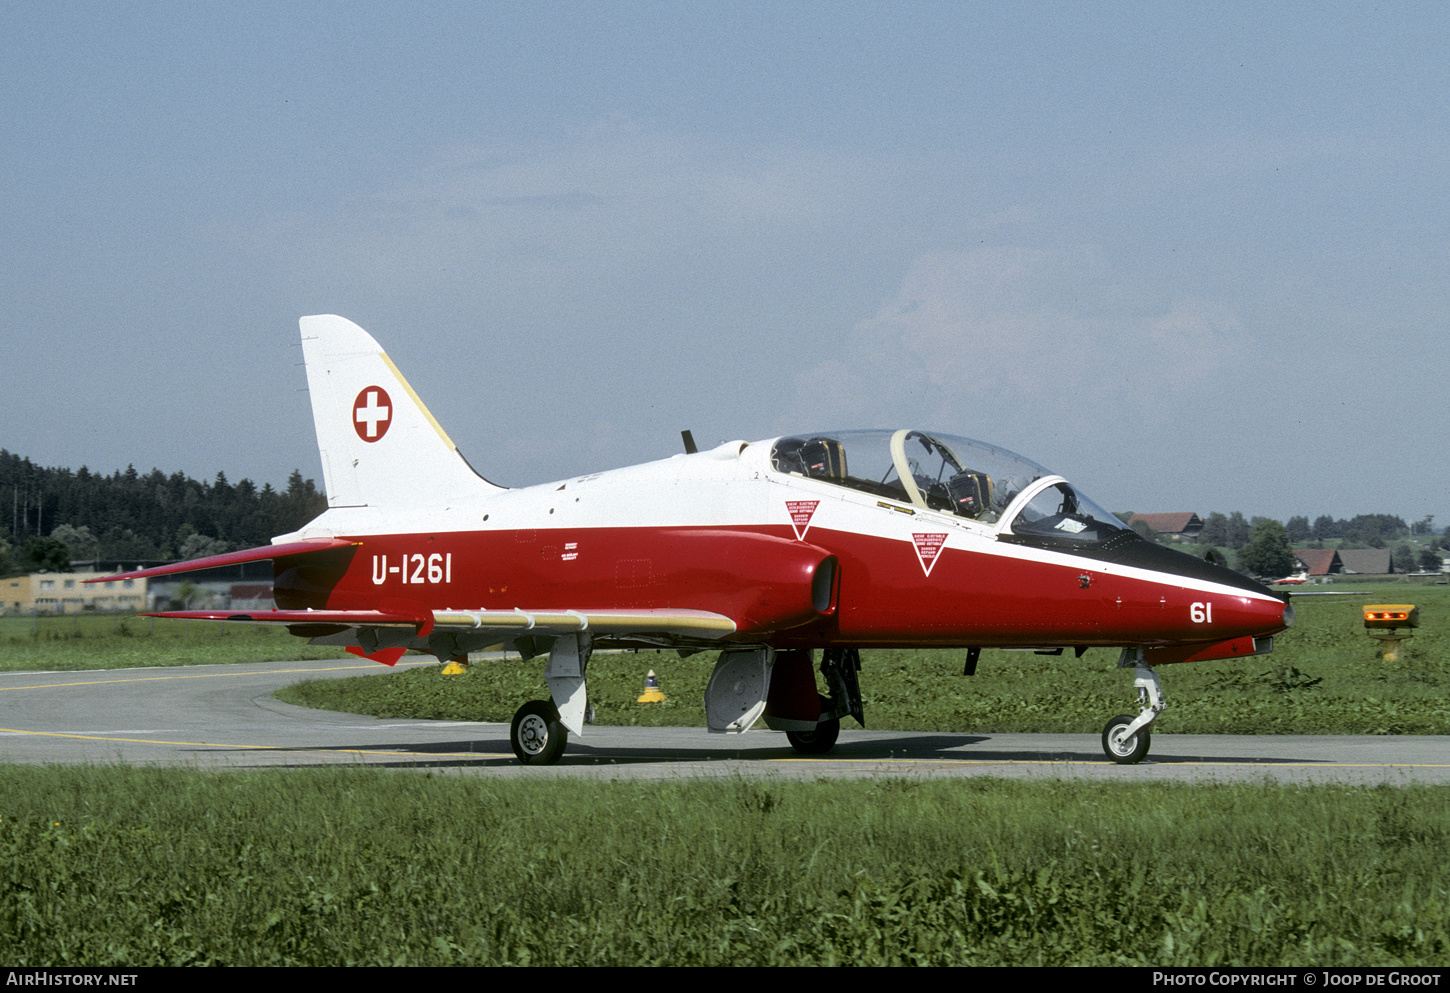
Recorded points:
(765, 551)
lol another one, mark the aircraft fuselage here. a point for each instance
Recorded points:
(795, 562)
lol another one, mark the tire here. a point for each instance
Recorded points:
(536, 735)
(819, 741)
(1125, 751)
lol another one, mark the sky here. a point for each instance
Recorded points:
(1191, 256)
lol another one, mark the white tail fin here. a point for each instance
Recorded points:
(380, 446)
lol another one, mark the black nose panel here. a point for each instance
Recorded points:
(1142, 554)
(1131, 549)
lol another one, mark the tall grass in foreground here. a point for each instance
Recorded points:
(352, 866)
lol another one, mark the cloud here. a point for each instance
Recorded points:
(1019, 332)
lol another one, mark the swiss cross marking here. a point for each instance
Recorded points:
(800, 515)
(372, 412)
(928, 549)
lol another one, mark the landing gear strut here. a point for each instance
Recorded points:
(839, 667)
(1126, 739)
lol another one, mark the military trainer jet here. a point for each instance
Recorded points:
(773, 553)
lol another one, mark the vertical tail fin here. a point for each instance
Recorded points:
(379, 444)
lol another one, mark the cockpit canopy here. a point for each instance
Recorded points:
(953, 475)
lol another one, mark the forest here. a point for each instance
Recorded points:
(60, 516)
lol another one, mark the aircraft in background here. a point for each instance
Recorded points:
(767, 552)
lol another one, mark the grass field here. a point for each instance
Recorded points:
(362, 867)
(1322, 678)
(114, 641)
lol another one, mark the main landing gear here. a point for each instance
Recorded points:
(540, 728)
(820, 739)
(536, 735)
(812, 721)
(1126, 738)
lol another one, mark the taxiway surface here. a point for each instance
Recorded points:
(210, 717)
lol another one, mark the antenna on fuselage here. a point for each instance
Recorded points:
(690, 448)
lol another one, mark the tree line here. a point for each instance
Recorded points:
(1262, 546)
(57, 516)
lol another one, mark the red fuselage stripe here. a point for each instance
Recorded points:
(890, 592)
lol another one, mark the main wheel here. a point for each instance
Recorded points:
(819, 741)
(536, 735)
(1125, 749)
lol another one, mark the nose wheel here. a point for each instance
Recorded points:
(1122, 747)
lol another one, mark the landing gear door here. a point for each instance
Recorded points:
(735, 697)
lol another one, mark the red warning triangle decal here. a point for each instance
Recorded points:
(800, 515)
(928, 549)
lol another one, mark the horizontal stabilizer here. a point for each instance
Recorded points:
(262, 554)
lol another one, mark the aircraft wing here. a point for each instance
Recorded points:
(412, 622)
(695, 623)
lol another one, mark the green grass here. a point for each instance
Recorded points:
(362, 867)
(1322, 678)
(144, 867)
(116, 641)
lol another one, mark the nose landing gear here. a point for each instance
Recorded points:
(1126, 739)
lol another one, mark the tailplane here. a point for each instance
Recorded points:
(380, 446)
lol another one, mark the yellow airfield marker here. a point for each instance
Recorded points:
(1382, 622)
(652, 692)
